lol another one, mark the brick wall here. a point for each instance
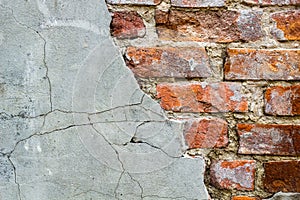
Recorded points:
(231, 71)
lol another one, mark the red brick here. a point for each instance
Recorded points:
(271, 139)
(235, 174)
(273, 2)
(208, 25)
(282, 176)
(127, 25)
(287, 25)
(244, 198)
(134, 2)
(262, 64)
(168, 62)
(205, 133)
(198, 3)
(284, 101)
(202, 97)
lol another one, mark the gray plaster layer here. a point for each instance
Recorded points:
(73, 122)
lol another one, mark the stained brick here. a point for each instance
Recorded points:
(205, 133)
(254, 64)
(202, 97)
(287, 25)
(273, 2)
(168, 62)
(215, 26)
(244, 198)
(281, 100)
(127, 25)
(198, 3)
(134, 2)
(235, 174)
(282, 176)
(270, 139)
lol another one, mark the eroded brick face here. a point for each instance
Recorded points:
(281, 100)
(202, 97)
(272, 139)
(134, 2)
(198, 3)
(235, 174)
(244, 198)
(257, 64)
(282, 176)
(273, 2)
(205, 133)
(168, 62)
(287, 25)
(127, 25)
(205, 26)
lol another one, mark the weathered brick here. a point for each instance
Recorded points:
(281, 100)
(273, 2)
(244, 198)
(208, 25)
(205, 133)
(235, 174)
(198, 3)
(168, 62)
(262, 64)
(287, 25)
(282, 176)
(272, 139)
(134, 2)
(202, 97)
(127, 25)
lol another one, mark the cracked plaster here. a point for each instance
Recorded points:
(73, 122)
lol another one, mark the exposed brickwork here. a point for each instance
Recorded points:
(257, 64)
(205, 133)
(198, 3)
(271, 139)
(283, 100)
(217, 26)
(282, 176)
(168, 62)
(244, 198)
(134, 2)
(202, 97)
(236, 174)
(126, 25)
(287, 25)
(273, 2)
(230, 72)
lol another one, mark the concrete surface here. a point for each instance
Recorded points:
(73, 122)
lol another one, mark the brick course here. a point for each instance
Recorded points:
(205, 26)
(282, 176)
(205, 133)
(270, 139)
(184, 62)
(287, 25)
(274, 64)
(233, 174)
(283, 101)
(202, 97)
(127, 25)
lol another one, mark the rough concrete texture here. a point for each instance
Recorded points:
(74, 123)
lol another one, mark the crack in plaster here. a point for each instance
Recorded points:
(44, 50)
(15, 177)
